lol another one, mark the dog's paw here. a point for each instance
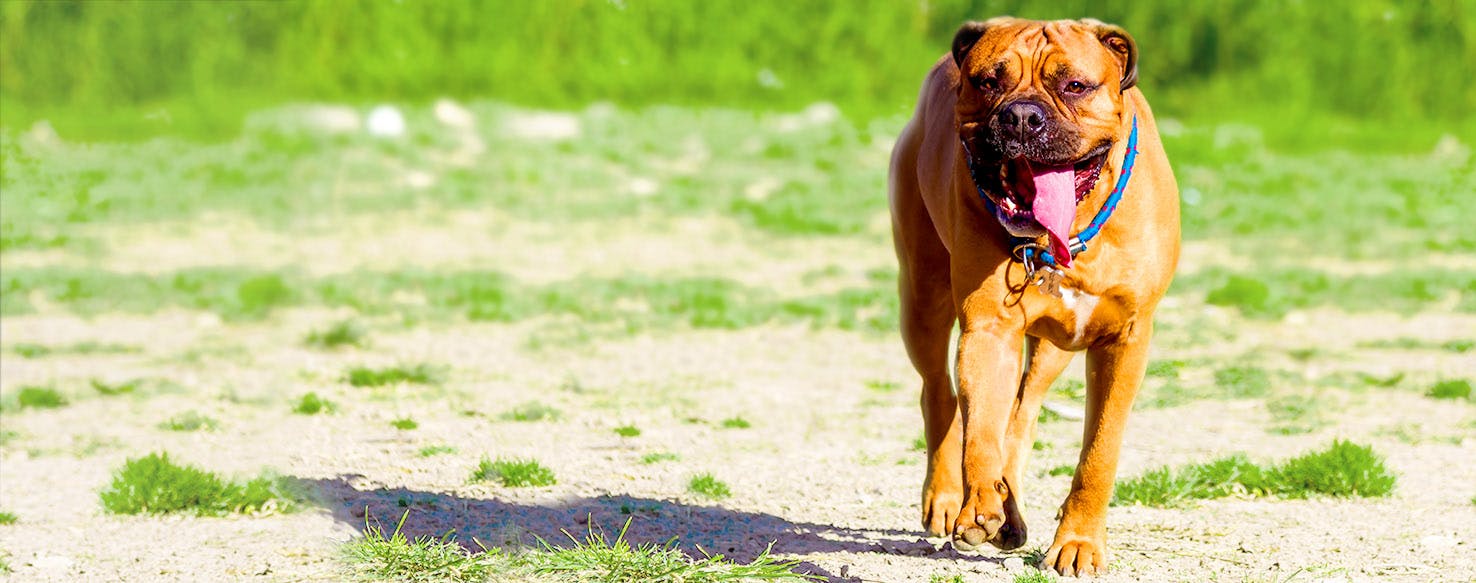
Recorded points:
(1074, 556)
(981, 519)
(941, 504)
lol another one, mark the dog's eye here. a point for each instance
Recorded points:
(1076, 87)
(988, 83)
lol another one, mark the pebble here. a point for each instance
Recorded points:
(1014, 564)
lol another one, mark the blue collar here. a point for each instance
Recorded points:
(1031, 253)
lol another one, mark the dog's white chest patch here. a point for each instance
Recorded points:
(1082, 305)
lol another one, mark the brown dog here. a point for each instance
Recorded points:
(1041, 114)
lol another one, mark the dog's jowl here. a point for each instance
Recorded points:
(1033, 205)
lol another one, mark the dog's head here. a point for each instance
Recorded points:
(1039, 105)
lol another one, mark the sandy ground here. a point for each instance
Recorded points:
(827, 473)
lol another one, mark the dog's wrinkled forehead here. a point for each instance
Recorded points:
(1017, 51)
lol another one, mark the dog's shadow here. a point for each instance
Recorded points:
(695, 530)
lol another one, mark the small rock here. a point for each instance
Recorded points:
(1014, 564)
(453, 115)
(386, 121)
(543, 126)
(42, 133)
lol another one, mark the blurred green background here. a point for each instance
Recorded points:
(125, 68)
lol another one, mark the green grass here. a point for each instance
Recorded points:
(40, 398)
(628, 431)
(532, 411)
(435, 450)
(7, 518)
(514, 473)
(377, 556)
(312, 404)
(420, 374)
(1033, 575)
(658, 457)
(115, 389)
(1240, 382)
(1450, 389)
(706, 486)
(883, 386)
(396, 557)
(190, 421)
(940, 578)
(88, 347)
(920, 443)
(1062, 470)
(1295, 414)
(345, 333)
(1344, 469)
(736, 423)
(155, 485)
(404, 424)
(1459, 346)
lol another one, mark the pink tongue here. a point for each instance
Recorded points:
(1055, 206)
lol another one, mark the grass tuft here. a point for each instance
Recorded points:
(514, 473)
(420, 374)
(1034, 576)
(532, 411)
(708, 487)
(1063, 470)
(1239, 382)
(596, 559)
(40, 398)
(396, 557)
(435, 450)
(190, 421)
(1343, 469)
(404, 424)
(736, 423)
(346, 333)
(628, 431)
(154, 485)
(312, 404)
(7, 518)
(1450, 389)
(115, 389)
(659, 456)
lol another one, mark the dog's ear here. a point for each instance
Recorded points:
(964, 39)
(1121, 44)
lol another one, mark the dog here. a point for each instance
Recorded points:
(1032, 205)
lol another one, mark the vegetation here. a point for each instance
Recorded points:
(532, 411)
(1450, 389)
(90, 58)
(435, 450)
(737, 422)
(190, 421)
(155, 485)
(40, 398)
(1343, 469)
(377, 556)
(345, 333)
(312, 404)
(706, 486)
(404, 424)
(420, 374)
(513, 473)
(659, 456)
(628, 431)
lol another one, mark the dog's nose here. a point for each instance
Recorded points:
(1022, 119)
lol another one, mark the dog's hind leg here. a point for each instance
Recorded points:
(927, 318)
(1044, 362)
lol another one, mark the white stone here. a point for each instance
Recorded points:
(386, 121)
(542, 126)
(453, 115)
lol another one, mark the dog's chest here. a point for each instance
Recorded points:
(1073, 318)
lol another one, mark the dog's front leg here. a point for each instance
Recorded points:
(988, 379)
(1114, 372)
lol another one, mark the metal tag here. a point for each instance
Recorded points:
(1049, 280)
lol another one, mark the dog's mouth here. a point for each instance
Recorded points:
(1034, 198)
